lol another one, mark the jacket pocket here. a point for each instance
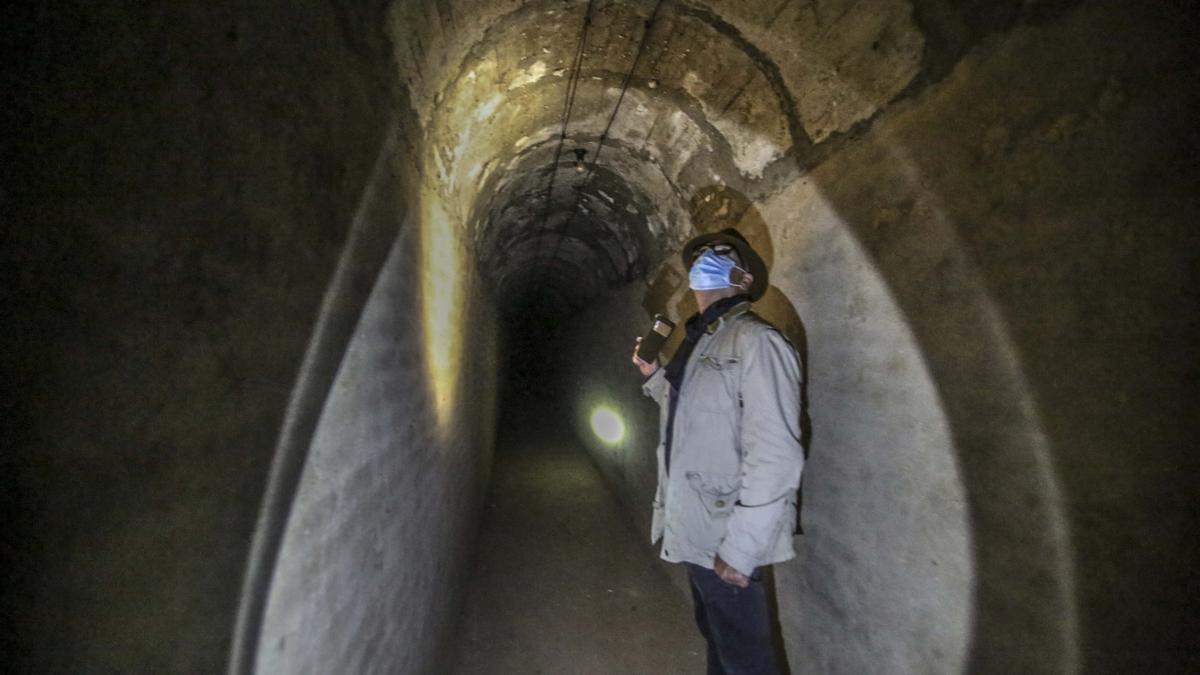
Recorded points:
(718, 492)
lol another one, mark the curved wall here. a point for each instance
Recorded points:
(178, 182)
(966, 200)
(1010, 184)
(380, 529)
(885, 579)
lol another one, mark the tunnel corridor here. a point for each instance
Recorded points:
(561, 581)
(309, 309)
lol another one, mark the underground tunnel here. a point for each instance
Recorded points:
(319, 321)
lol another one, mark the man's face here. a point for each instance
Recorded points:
(738, 274)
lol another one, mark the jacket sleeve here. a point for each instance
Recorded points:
(772, 457)
(656, 385)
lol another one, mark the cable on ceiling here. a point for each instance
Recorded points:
(568, 105)
(561, 232)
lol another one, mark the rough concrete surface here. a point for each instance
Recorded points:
(979, 218)
(381, 526)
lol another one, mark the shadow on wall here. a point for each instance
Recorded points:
(882, 453)
(984, 218)
(977, 397)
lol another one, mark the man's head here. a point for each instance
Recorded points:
(722, 264)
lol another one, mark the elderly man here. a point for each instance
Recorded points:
(730, 457)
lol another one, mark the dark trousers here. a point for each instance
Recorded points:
(735, 622)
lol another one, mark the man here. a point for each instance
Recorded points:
(730, 457)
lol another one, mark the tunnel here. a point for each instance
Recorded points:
(291, 291)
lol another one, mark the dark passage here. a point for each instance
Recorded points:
(561, 584)
(263, 266)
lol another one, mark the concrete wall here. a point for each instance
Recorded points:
(1027, 167)
(379, 534)
(980, 213)
(178, 182)
(885, 575)
(996, 281)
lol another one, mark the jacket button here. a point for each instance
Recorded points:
(720, 503)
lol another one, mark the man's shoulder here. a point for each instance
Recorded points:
(754, 321)
(754, 328)
(751, 323)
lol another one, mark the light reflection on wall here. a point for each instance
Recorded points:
(441, 300)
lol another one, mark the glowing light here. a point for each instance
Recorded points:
(607, 425)
(441, 289)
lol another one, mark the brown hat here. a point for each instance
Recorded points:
(750, 259)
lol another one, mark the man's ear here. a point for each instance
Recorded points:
(746, 281)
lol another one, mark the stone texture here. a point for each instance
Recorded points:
(383, 518)
(843, 61)
(978, 216)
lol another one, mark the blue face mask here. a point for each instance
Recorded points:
(710, 271)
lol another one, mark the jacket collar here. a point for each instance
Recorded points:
(737, 310)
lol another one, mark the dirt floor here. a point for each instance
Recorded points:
(561, 583)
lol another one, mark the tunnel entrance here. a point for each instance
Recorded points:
(556, 238)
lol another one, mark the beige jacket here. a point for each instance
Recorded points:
(736, 457)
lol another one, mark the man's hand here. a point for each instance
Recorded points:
(646, 368)
(730, 575)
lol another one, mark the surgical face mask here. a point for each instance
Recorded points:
(710, 271)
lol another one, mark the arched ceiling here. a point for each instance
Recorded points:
(671, 98)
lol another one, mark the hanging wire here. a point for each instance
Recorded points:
(561, 232)
(568, 105)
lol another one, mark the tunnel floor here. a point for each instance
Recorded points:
(561, 583)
